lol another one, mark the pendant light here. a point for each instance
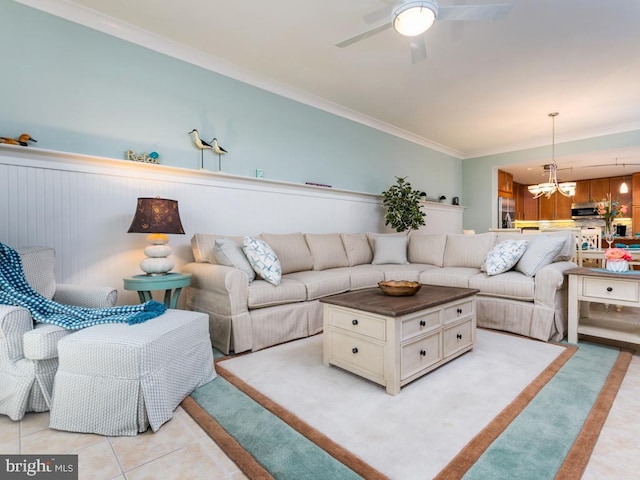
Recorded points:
(548, 188)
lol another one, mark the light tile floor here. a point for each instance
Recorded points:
(182, 450)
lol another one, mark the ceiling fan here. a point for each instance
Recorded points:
(412, 18)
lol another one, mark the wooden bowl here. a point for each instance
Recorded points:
(399, 288)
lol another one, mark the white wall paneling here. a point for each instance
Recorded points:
(83, 206)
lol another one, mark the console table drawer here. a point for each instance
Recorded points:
(420, 324)
(610, 289)
(458, 311)
(367, 358)
(458, 337)
(357, 322)
(420, 354)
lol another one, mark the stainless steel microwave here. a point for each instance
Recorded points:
(584, 211)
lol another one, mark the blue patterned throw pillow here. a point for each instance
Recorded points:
(263, 259)
(503, 256)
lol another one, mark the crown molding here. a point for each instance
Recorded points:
(117, 28)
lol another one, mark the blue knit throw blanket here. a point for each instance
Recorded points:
(14, 290)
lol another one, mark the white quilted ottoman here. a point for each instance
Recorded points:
(119, 379)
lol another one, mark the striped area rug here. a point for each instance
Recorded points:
(266, 411)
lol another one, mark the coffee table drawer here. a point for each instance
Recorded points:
(458, 311)
(420, 324)
(357, 322)
(610, 289)
(358, 354)
(418, 355)
(458, 337)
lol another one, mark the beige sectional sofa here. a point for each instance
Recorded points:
(529, 299)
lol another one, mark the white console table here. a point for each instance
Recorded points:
(593, 285)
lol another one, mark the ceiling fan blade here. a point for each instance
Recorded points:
(383, 13)
(363, 35)
(418, 49)
(474, 12)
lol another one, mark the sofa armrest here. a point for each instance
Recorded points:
(549, 280)
(217, 289)
(86, 296)
(41, 343)
(14, 323)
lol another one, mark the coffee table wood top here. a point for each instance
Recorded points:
(373, 300)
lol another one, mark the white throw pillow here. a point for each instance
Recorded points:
(390, 249)
(541, 251)
(503, 256)
(229, 253)
(263, 259)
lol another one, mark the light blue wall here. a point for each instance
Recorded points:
(479, 175)
(78, 90)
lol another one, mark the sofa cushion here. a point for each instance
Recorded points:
(264, 294)
(503, 256)
(291, 249)
(467, 250)
(203, 246)
(427, 248)
(541, 251)
(263, 259)
(357, 247)
(410, 272)
(568, 249)
(448, 276)
(319, 284)
(327, 250)
(509, 284)
(38, 264)
(389, 249)
(363, 276)
(228, 252)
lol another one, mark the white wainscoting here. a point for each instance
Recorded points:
(83, 206)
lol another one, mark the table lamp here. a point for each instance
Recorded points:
(157, 217)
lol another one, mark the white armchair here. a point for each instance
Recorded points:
(28, 352)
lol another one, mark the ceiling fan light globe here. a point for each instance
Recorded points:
(414, 17)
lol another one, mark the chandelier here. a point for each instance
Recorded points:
(548, 188)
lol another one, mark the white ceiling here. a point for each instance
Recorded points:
(486, 87)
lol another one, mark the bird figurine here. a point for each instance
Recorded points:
(22, 140)
(201, 144)
(218, 149)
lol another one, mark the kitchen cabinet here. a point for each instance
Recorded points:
(563, 207)
(547, 207)
(519, 193)
(636, 220)
(600, 188)
(635, 189)
(529, 206)
(505, 184)
(614, 185)
(583, 191)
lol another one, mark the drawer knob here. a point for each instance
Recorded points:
(423, 323)
(423, 353)
(459, 311)
(609, 289)
(354, 350)
(459, 336)
(354, 322)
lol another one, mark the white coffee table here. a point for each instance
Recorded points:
(395, 340)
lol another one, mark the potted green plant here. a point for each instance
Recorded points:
(404, 212)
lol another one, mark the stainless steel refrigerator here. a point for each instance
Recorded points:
(506, 212)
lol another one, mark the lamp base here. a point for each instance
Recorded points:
(157, 261)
